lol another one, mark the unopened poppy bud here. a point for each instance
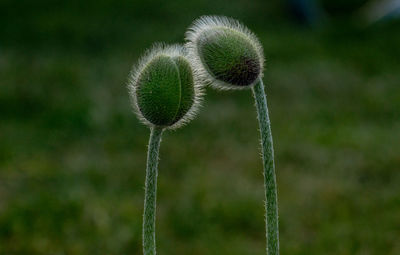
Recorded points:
(163, 87)
(225, 52)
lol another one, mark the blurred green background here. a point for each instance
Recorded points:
(72, 154)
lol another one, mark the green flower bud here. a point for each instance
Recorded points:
(225, 53)
(163, 87)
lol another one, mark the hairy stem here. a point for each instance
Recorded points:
(149, 215)
(271, 201)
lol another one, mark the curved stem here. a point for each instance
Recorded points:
(271, 201)
(149, 215)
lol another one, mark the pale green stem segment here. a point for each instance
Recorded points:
(149, 215)
(271, 203)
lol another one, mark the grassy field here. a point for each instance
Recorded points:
(72, 154)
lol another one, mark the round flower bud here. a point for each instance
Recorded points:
(225, 52)
(163, 87)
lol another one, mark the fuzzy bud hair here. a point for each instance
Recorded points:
(224, 27)
(161, 50)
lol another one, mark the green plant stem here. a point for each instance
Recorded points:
(271, 201)
(149, 215)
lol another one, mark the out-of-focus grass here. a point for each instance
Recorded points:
(72, 154)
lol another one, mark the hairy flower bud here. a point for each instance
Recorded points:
(163, 87)
(225, 52)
